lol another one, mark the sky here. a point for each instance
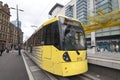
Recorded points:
(35, 13)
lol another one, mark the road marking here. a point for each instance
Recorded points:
(27, 68)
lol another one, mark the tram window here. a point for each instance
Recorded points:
(50, 35)
(38, 39)
(41, 33)
(46, 37)
(42, 36)
(55, 35)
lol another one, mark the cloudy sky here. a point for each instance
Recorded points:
(35, 12)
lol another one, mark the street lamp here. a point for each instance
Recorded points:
(18, 28)
(33, 26)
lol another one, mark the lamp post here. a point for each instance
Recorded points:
(18, 28)
(33, 26)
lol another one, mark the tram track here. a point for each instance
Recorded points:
(77, 77)
(95, 73)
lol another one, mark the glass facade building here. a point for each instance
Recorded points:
(69, 11)
(103, 5)
(81, 10)
(107, 39)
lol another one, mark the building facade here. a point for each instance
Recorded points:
(55, 10)
(70, 9)
(8, 31)
(4, 24)
(15, 23)
(81, 9)
(13, 36)
(107, 39)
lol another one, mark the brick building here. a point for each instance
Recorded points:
(8, 31)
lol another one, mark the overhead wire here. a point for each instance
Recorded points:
(45, 9)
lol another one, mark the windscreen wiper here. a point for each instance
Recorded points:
(69, 36)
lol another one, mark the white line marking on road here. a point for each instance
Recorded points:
(27, 68)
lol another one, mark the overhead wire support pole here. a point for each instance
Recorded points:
(18, 29)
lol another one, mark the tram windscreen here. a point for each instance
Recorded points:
(73, 37)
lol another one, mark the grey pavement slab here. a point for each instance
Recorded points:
(12, 67)
(106, 59)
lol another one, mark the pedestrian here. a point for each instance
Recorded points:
(2, 49)
(113, 47)
(7, 50)
(98, 49)
(117, 48)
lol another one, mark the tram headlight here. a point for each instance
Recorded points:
(66, 57)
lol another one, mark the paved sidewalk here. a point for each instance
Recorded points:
(12, 67)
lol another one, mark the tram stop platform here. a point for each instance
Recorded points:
(106, 59)
(12, 66)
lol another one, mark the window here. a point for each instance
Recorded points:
(51, 34)
(55, 35)
(69, 11)
(48, 35)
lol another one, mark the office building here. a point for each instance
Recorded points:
(81, 9)
(55, 10)
(109, 37)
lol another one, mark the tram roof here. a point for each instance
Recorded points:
(56, 18)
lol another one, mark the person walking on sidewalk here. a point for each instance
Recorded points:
(2, 49)
(7, 50)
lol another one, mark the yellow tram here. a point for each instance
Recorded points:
(59, 46)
